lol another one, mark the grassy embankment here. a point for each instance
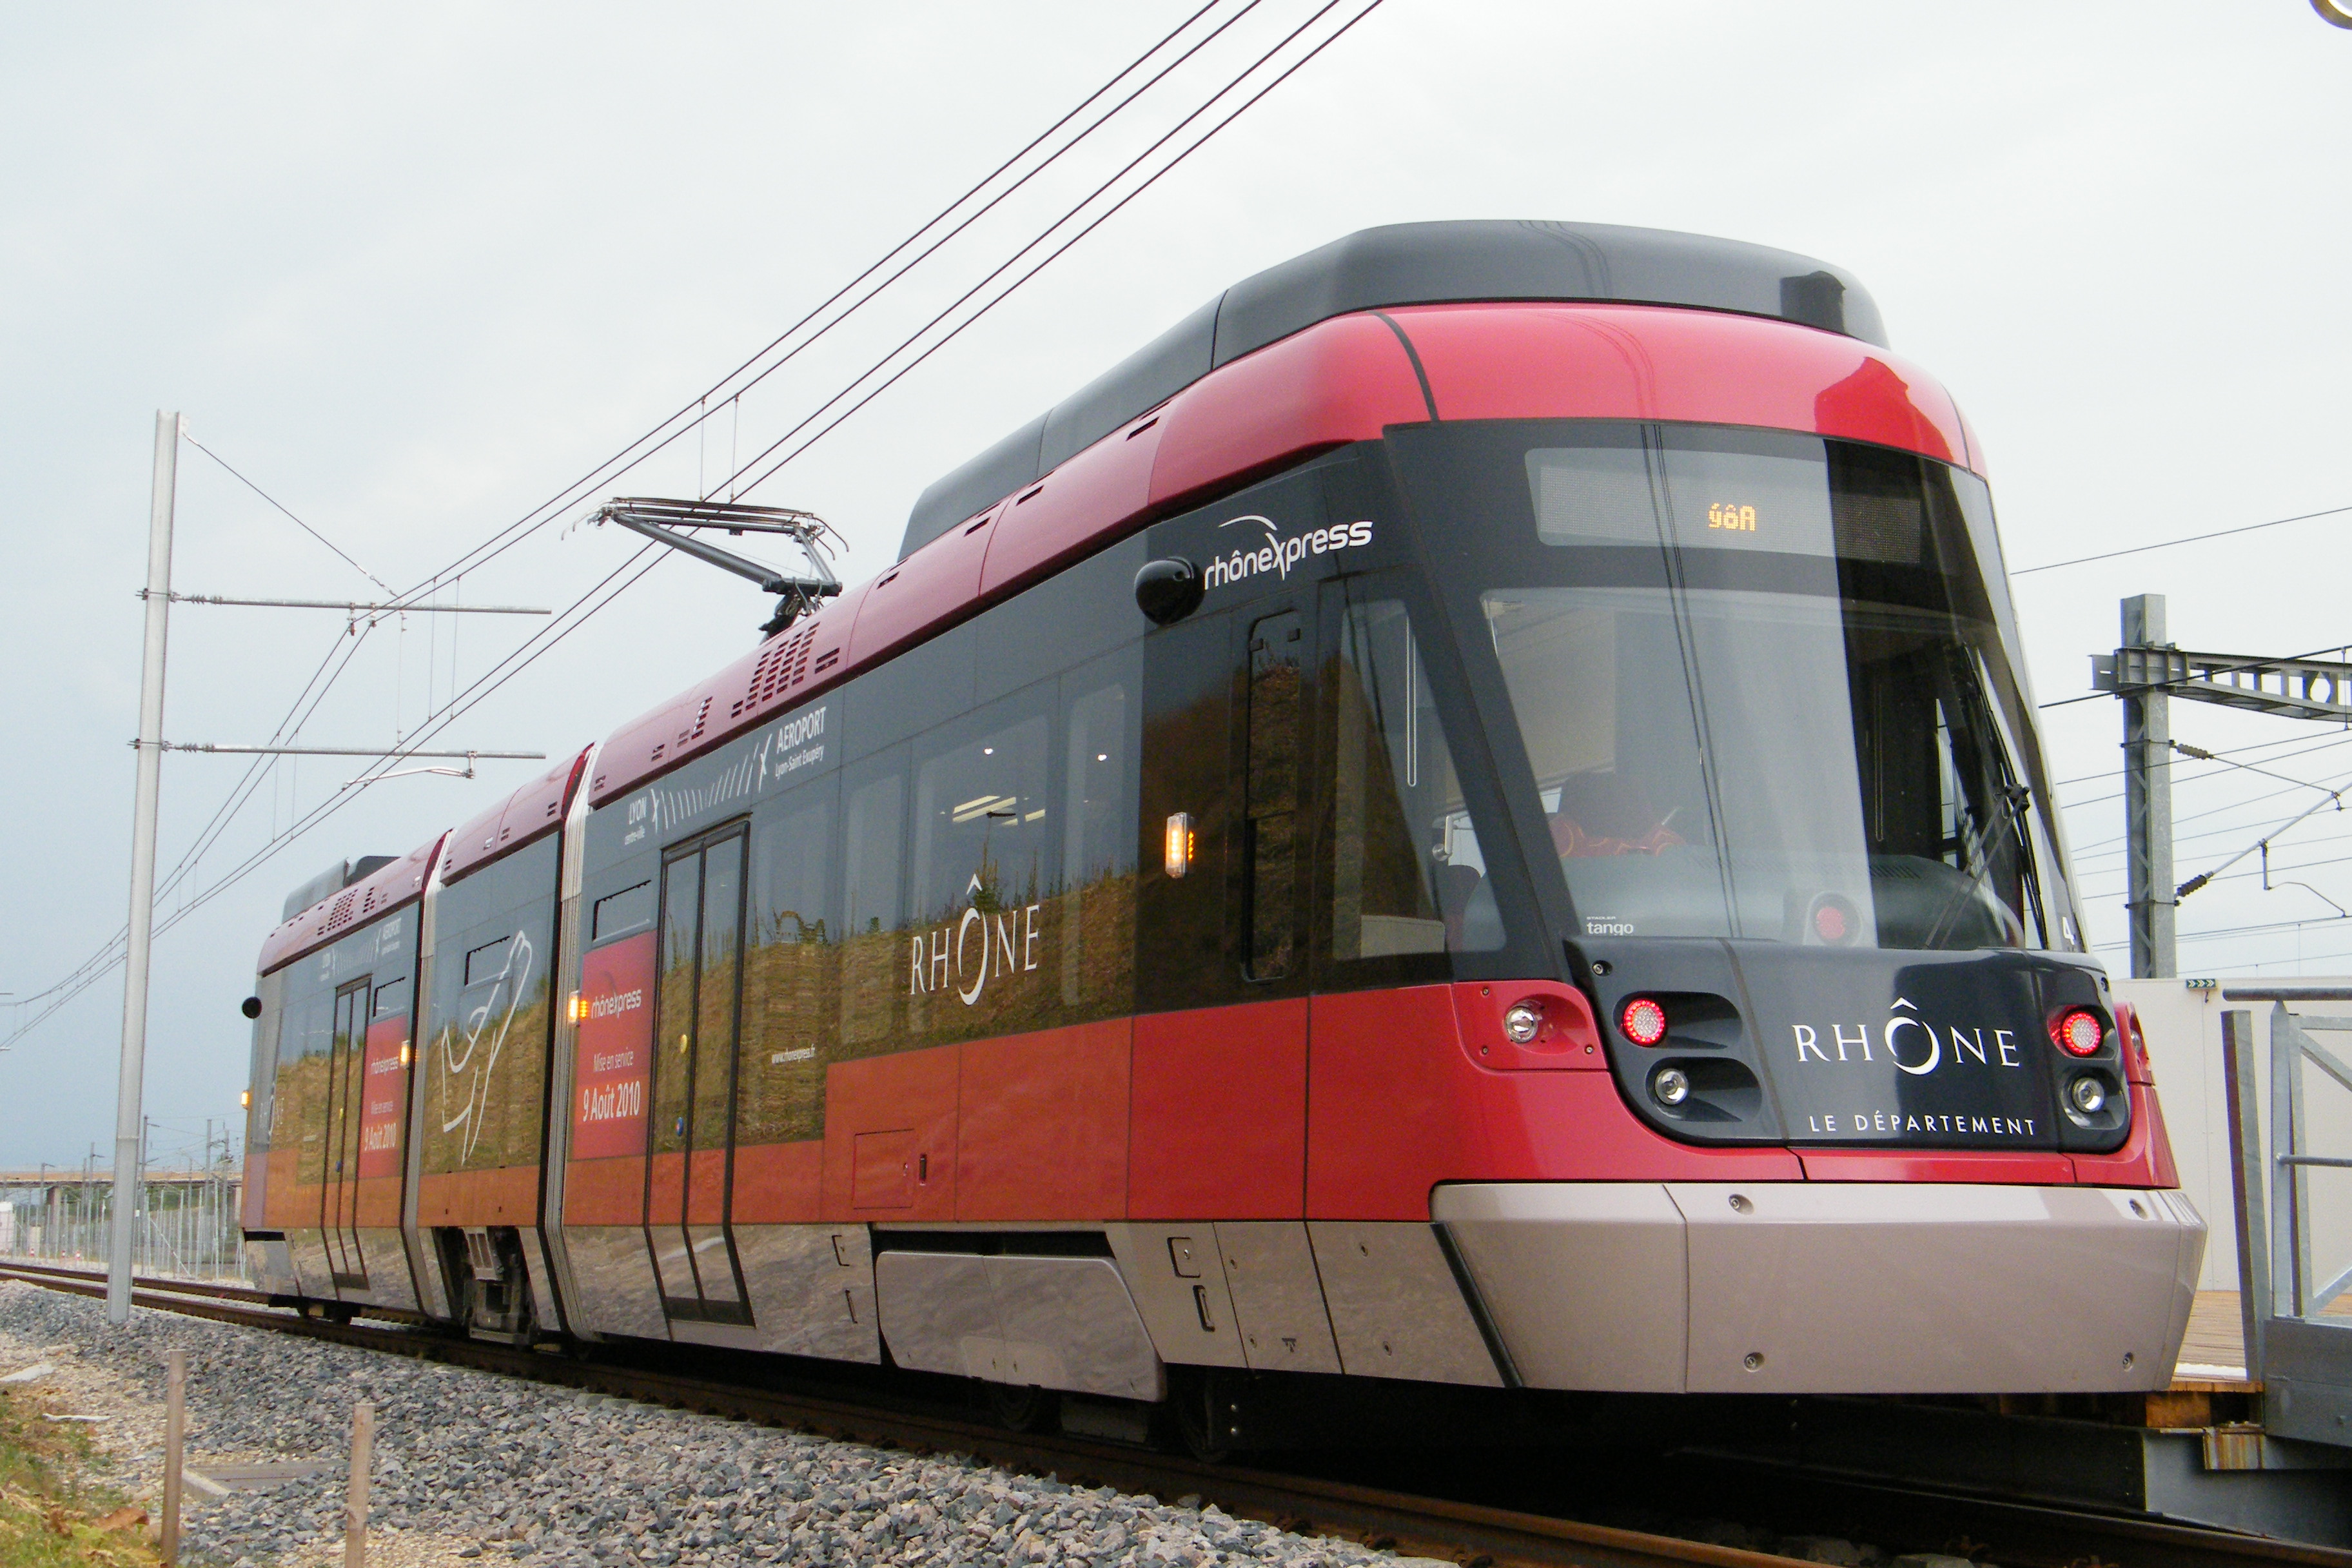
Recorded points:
(51, 1514)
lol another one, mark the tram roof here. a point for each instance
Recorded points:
(1407, 264)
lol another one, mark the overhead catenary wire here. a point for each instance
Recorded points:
(566, 621)
(611, 468)
(663, 433)
(2208, 776)
(2338, 783)
(2221, 933)
(548, 635)
(1065, 247)
(2185, 539)
(248, 784)
(273, 501)
(2221, 752)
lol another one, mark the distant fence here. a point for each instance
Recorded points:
(186, 1226)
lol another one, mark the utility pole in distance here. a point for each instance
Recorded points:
(127, 1113)
(2148, 670)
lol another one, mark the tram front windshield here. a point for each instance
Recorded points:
(1761, 686)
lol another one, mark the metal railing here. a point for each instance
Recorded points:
(2303, 1365)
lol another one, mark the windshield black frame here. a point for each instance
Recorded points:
(1467, 488)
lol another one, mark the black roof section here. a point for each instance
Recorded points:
(1406, 264)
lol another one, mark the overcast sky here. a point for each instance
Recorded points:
(411, 271)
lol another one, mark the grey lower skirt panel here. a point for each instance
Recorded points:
(1047, 1323)
(1830, 1288)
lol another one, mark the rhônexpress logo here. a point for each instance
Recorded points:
(1278, 555)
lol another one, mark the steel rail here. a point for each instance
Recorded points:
(1409, 1523)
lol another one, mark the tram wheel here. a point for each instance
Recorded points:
(1023, 1409)
(1191, 1398)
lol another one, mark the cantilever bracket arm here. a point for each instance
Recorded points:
(2290, 688)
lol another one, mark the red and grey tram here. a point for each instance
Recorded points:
(1472, 814)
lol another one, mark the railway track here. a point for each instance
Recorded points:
(1412, 1523)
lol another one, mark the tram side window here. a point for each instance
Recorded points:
(304, 1042)
(1097, 922)
(262, 1108)
(791, 1000)
(1407, 875)
(873, 968)
(619, 914)
(485, 1062)
(984, 859)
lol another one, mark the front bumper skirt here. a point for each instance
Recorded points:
(1830, 1288)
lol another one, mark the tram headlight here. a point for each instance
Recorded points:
(1522, 1022)
(2087, 1095)
(1670, 1086)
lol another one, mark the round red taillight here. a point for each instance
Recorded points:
(1643, 1021)
(2079, 1033)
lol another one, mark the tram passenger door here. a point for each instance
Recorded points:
(1221, 1078)
(338, 1202)
(694, 1080)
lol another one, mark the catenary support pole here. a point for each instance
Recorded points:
(142, 870)
(2148, 805)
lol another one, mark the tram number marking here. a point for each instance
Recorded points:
(1731, 517)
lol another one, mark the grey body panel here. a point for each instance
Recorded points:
(542, 1284)
(1177, 1277)
(1843, 1287)
(1586, 1281)
(615, 1278)
(391, 1283)
(811, 1289)
(271, 1267)
(1396, 1309)
(1047, 1322)
(307, 1250)
(1278, 1297)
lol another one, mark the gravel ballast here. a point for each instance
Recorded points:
(470, 1465)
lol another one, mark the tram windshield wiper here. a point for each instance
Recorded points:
(1762, 684)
